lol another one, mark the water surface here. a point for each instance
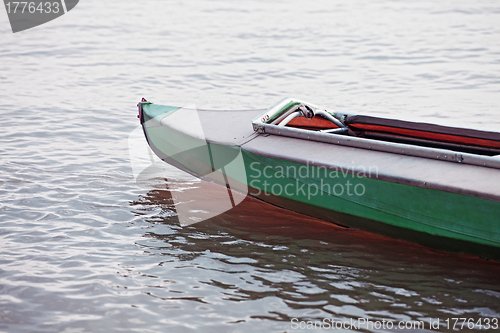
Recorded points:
(84, 249)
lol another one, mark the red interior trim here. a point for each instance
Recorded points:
(429, 135)
(317, 122)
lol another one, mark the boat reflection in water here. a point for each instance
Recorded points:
(293, 266)
(254, 220)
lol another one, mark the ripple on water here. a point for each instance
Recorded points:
(83, 249)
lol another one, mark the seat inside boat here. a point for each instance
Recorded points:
(393, 130)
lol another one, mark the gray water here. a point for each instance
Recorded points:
(84, 249)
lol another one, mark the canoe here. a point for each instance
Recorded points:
(430, 184)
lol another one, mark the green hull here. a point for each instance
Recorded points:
(400, 208)
(436, 218)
